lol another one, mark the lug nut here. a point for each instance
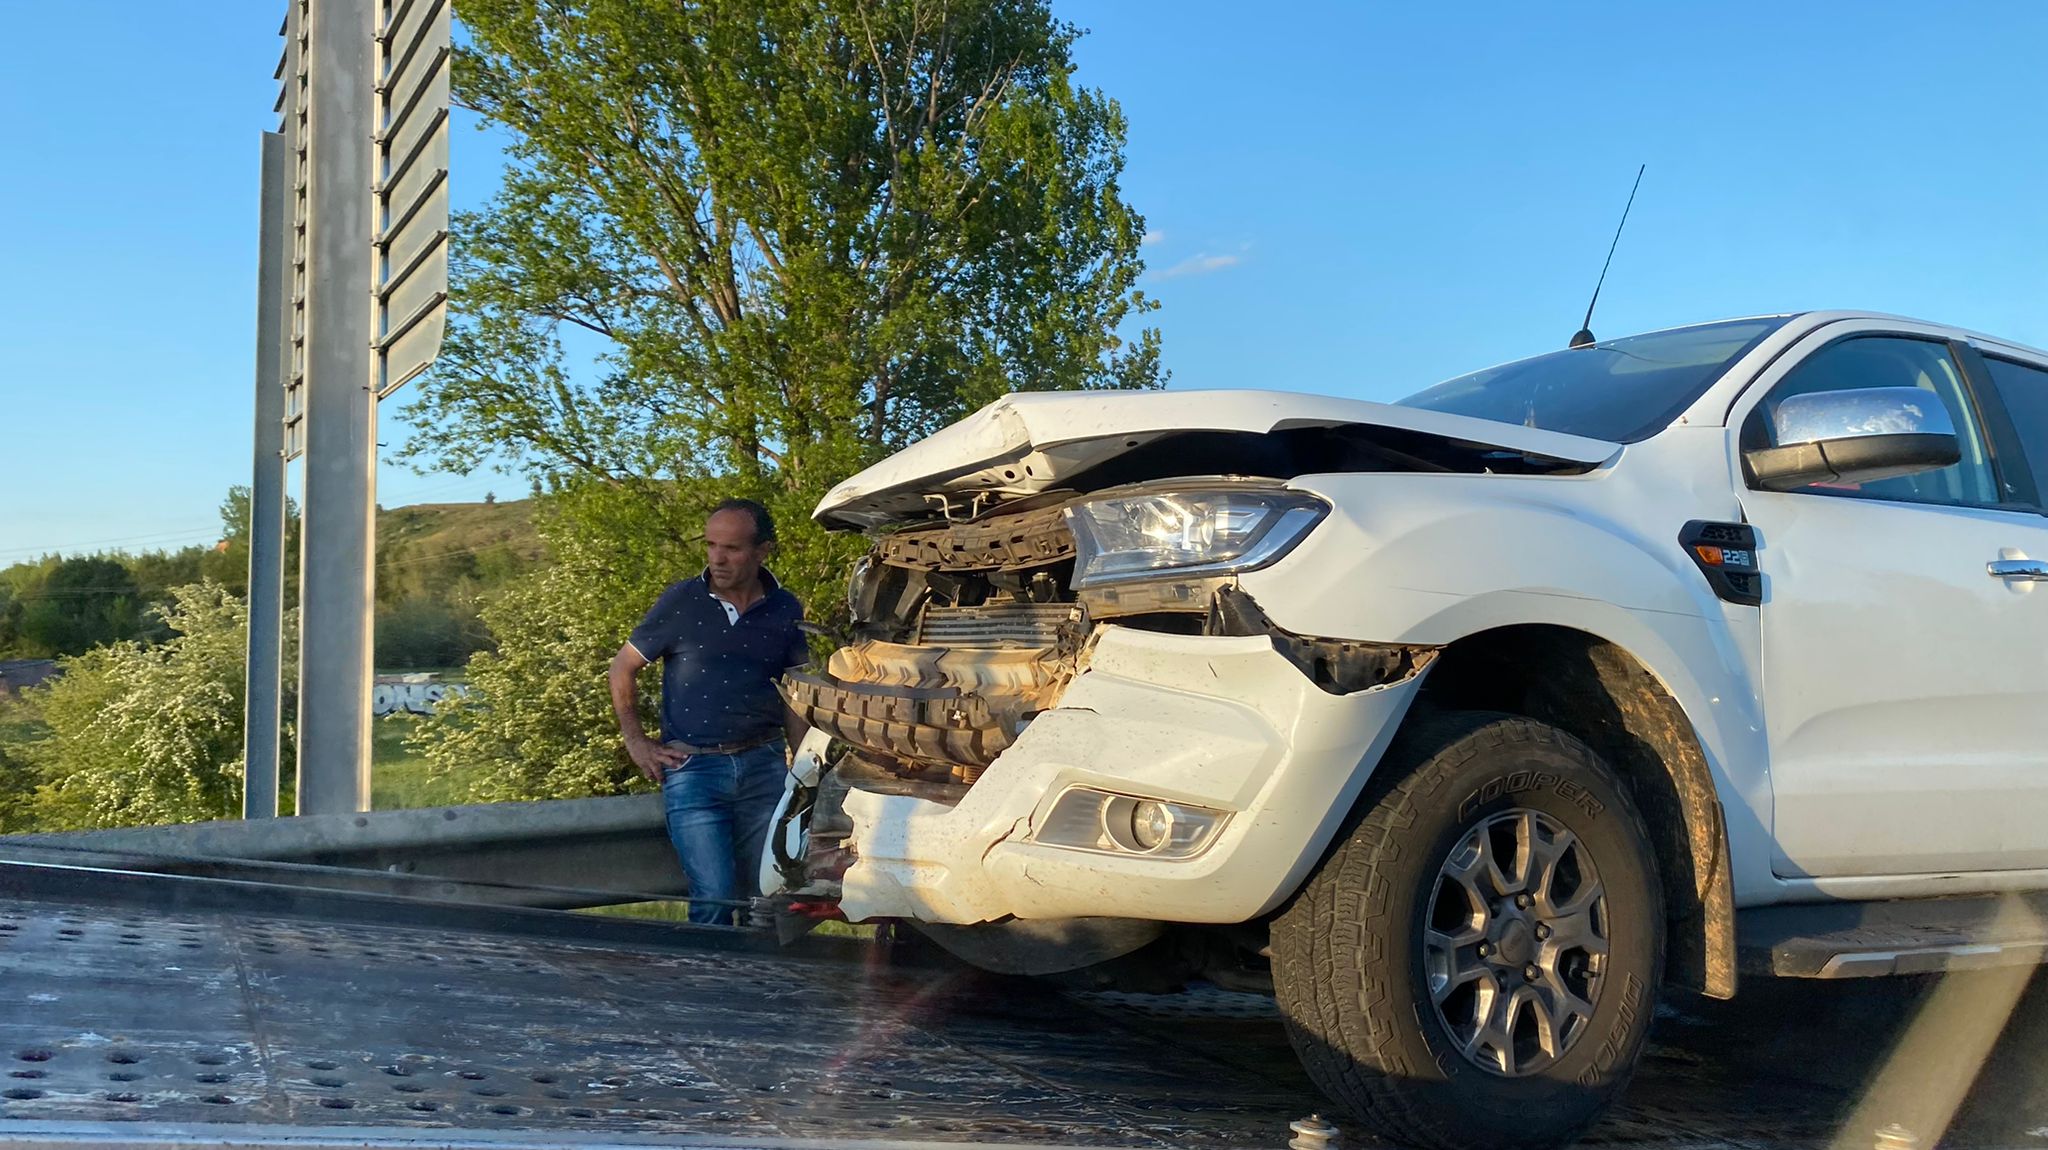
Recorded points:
(1530, 972)
(1523, 901)
(1485, 949)
(1542, 930)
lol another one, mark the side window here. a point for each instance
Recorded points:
(1893, 361)
(2024, 388)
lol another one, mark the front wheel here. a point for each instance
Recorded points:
(1476, 962)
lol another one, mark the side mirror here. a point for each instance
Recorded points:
(1854, 436)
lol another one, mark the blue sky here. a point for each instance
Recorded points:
(1347, 198)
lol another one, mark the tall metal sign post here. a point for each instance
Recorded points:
(262, 709)
(366, 119)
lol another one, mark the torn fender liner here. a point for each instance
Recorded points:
(1339, 666)
(1042, 946)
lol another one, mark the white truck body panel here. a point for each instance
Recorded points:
(1878, 727)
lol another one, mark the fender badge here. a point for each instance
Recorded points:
(1726, 554)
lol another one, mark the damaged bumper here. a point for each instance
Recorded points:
(1007, 739)
(1222, 724)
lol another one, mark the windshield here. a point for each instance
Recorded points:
(1622, 390)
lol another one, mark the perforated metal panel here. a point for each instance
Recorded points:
(139, 1020)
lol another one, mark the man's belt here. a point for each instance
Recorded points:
(722, 748)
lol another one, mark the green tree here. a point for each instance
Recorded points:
(72, 606)
(17, 772)
(156, 572)
(538, 712)
(228, 563)
(17, 581)
(425, 633)
(141, 734)
(785, 237)
(747, 247)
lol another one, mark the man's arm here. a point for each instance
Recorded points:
(651, 757)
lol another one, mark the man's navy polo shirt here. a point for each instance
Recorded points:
(718, 675)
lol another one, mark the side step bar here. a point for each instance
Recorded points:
(1903, 936)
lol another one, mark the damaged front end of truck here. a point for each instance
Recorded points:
(1061, 720)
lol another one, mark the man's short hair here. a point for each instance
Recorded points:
(764, 523)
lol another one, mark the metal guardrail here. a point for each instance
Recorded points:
(561, 853)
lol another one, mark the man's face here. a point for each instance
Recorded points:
(730, 551)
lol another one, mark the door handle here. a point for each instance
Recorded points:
(2024, 570)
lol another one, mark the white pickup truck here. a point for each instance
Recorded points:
(1486, 716)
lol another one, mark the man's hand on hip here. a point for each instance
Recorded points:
(653, 758)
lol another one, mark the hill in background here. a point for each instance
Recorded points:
(439, 549)
(437, 564)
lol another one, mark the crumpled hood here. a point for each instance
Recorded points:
(1029, 442)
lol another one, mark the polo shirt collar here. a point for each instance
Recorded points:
(769, 586)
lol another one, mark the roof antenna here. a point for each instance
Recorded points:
(1584, 336)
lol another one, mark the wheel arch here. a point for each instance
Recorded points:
(1609, 700)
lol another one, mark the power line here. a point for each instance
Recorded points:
(166, 535)
(408, 561)
(210, 527)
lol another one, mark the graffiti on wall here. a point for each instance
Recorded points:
(411, 694)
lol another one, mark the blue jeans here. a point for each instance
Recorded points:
(719, 807)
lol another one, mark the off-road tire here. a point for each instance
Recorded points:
(1348, 950)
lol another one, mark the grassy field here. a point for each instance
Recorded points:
(400, 779)
(432, 549)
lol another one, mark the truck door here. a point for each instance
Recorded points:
(1905, 647)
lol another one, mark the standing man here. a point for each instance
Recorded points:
(724, 638)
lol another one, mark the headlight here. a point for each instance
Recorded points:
(1203, 532)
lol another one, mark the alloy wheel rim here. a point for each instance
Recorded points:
(1516, 943)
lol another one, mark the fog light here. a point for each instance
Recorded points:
(1149, 825)
(1087, 819)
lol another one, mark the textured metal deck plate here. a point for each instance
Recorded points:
(113, 1015)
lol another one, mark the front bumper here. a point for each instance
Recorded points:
(1223, 722)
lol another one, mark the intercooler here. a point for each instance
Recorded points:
(995, 625)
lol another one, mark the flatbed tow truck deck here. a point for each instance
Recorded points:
(156, 1010)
